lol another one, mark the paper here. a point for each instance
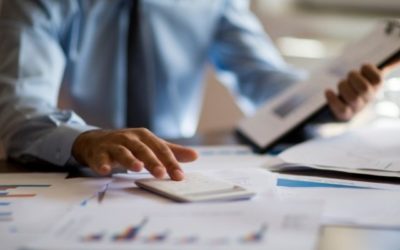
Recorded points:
(18, 219)
(226, 157)
(303, 99)
(31, 203)
(223, 157)
(241, 225)
(346, 202)
(258, 180)
(284, 182)
(295, 181)
(342, 206)
(223, 150)
(334, 237)
(372, 149)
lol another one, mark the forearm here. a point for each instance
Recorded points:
(30, 136)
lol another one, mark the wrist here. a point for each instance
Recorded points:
(80, 146)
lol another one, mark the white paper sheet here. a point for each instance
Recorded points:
(256, 179)
(35, 207)
(223, 157)
(361, 207)
(20, 193)
(371, 150)
(226, 157)
(236, 225)
(368, 204)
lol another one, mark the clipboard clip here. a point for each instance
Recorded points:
(391, 26)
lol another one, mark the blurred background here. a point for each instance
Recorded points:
(308, 32)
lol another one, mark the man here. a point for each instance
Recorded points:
(124, 64)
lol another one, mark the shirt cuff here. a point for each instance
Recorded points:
(56, 147)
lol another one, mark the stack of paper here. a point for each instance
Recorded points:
(373, 150)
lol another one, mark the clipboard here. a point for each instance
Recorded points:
(303, 101)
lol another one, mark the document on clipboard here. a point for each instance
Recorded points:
(305, 99)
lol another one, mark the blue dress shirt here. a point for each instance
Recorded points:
(59, 59)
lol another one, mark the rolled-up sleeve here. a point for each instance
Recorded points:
(32, 64)
(246, 58)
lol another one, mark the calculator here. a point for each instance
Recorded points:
(196, 187)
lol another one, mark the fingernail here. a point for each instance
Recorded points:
(159, 172)
(195, 155)
(137, 167)
(178, 175)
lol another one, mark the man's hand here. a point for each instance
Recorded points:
(354, 92)
(132, 149)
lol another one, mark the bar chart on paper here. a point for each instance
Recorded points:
(11, 193)
(239, 226)
(5, 214)
(151, 231)
(14, 190)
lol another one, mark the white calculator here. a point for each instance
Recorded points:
(195, 187)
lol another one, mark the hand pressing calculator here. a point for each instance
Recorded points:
(195, 187)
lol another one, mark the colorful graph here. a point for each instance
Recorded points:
(131, 232)
(134, 234)
(6, 191)
(12, 191)
(156, 238)
(93, 237)
(5, 216)
(256, 236)
(8, 195)
(5, 187)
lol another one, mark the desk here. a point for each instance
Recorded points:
(331, 237)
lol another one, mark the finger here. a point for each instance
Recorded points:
(183, 154)
(361, 85)
(166, 156)
(372, 74)
(101, 163)
(124, 157)
(339, 108)
(147, 156)
(350, 96)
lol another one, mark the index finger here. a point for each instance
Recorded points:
(165, 155)
(142, 152)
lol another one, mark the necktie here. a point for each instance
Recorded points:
(138, 96)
